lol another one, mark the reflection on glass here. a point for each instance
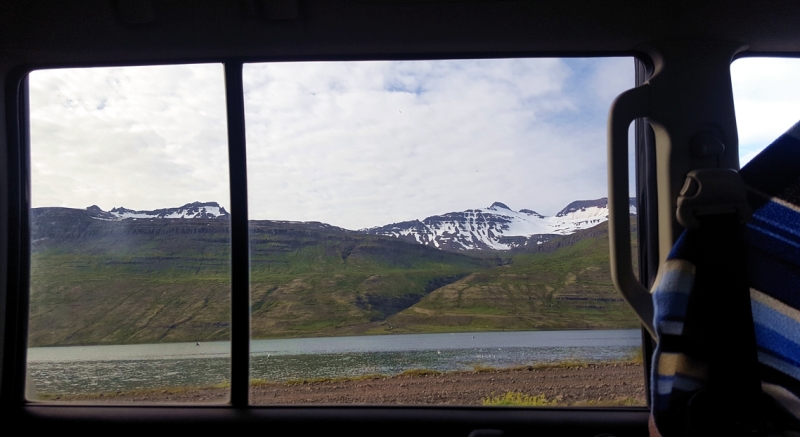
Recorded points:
(434, 232)
(130, 262)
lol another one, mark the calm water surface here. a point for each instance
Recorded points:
(89, 369)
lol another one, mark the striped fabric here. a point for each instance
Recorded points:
(772, 239)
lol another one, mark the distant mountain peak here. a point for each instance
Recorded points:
(194, 210)
(498, 227)
(498, 205)
(583, 205)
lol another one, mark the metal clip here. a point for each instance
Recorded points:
(712, 191)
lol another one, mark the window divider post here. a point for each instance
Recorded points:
(240, 237)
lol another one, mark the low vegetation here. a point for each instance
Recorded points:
(517, 399)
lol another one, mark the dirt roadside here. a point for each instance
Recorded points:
(603, 383)
(593, 384)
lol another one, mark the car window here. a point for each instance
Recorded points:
(434, 232)
(767, 101)
(130, 245)
(421, 232)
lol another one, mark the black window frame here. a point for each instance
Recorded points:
(440, 419)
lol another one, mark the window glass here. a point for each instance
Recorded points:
(130, 246)
(434, 232)
(767, 101)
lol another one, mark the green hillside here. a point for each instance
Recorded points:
(103, 282)
(565, 285)
(118, 282)
(328, 282)
(97, 282)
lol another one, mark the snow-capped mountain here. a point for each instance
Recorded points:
(196, 210)
(498, 227)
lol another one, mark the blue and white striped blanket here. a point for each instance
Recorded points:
(772, 240)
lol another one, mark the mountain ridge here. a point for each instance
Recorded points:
(498, 227)
(194, 210)
(125, 281)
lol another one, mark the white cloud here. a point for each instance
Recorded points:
(767, 99)
(366, 144)
(356, 144)
(351, 144)
(139, 137)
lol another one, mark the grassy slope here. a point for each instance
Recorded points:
(112, 283)
(306, 285)
(114, 287)
(569, 288)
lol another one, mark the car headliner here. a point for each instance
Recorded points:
(84, 32)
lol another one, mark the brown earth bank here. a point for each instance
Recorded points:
(605, 384)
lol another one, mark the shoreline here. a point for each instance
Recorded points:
(322, 335)
(561, 384)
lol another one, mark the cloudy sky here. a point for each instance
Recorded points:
(351, 144)
(767, 98)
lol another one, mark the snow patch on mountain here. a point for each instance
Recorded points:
(498, 227)
(196, 210)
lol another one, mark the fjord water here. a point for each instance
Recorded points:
(92, 369)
